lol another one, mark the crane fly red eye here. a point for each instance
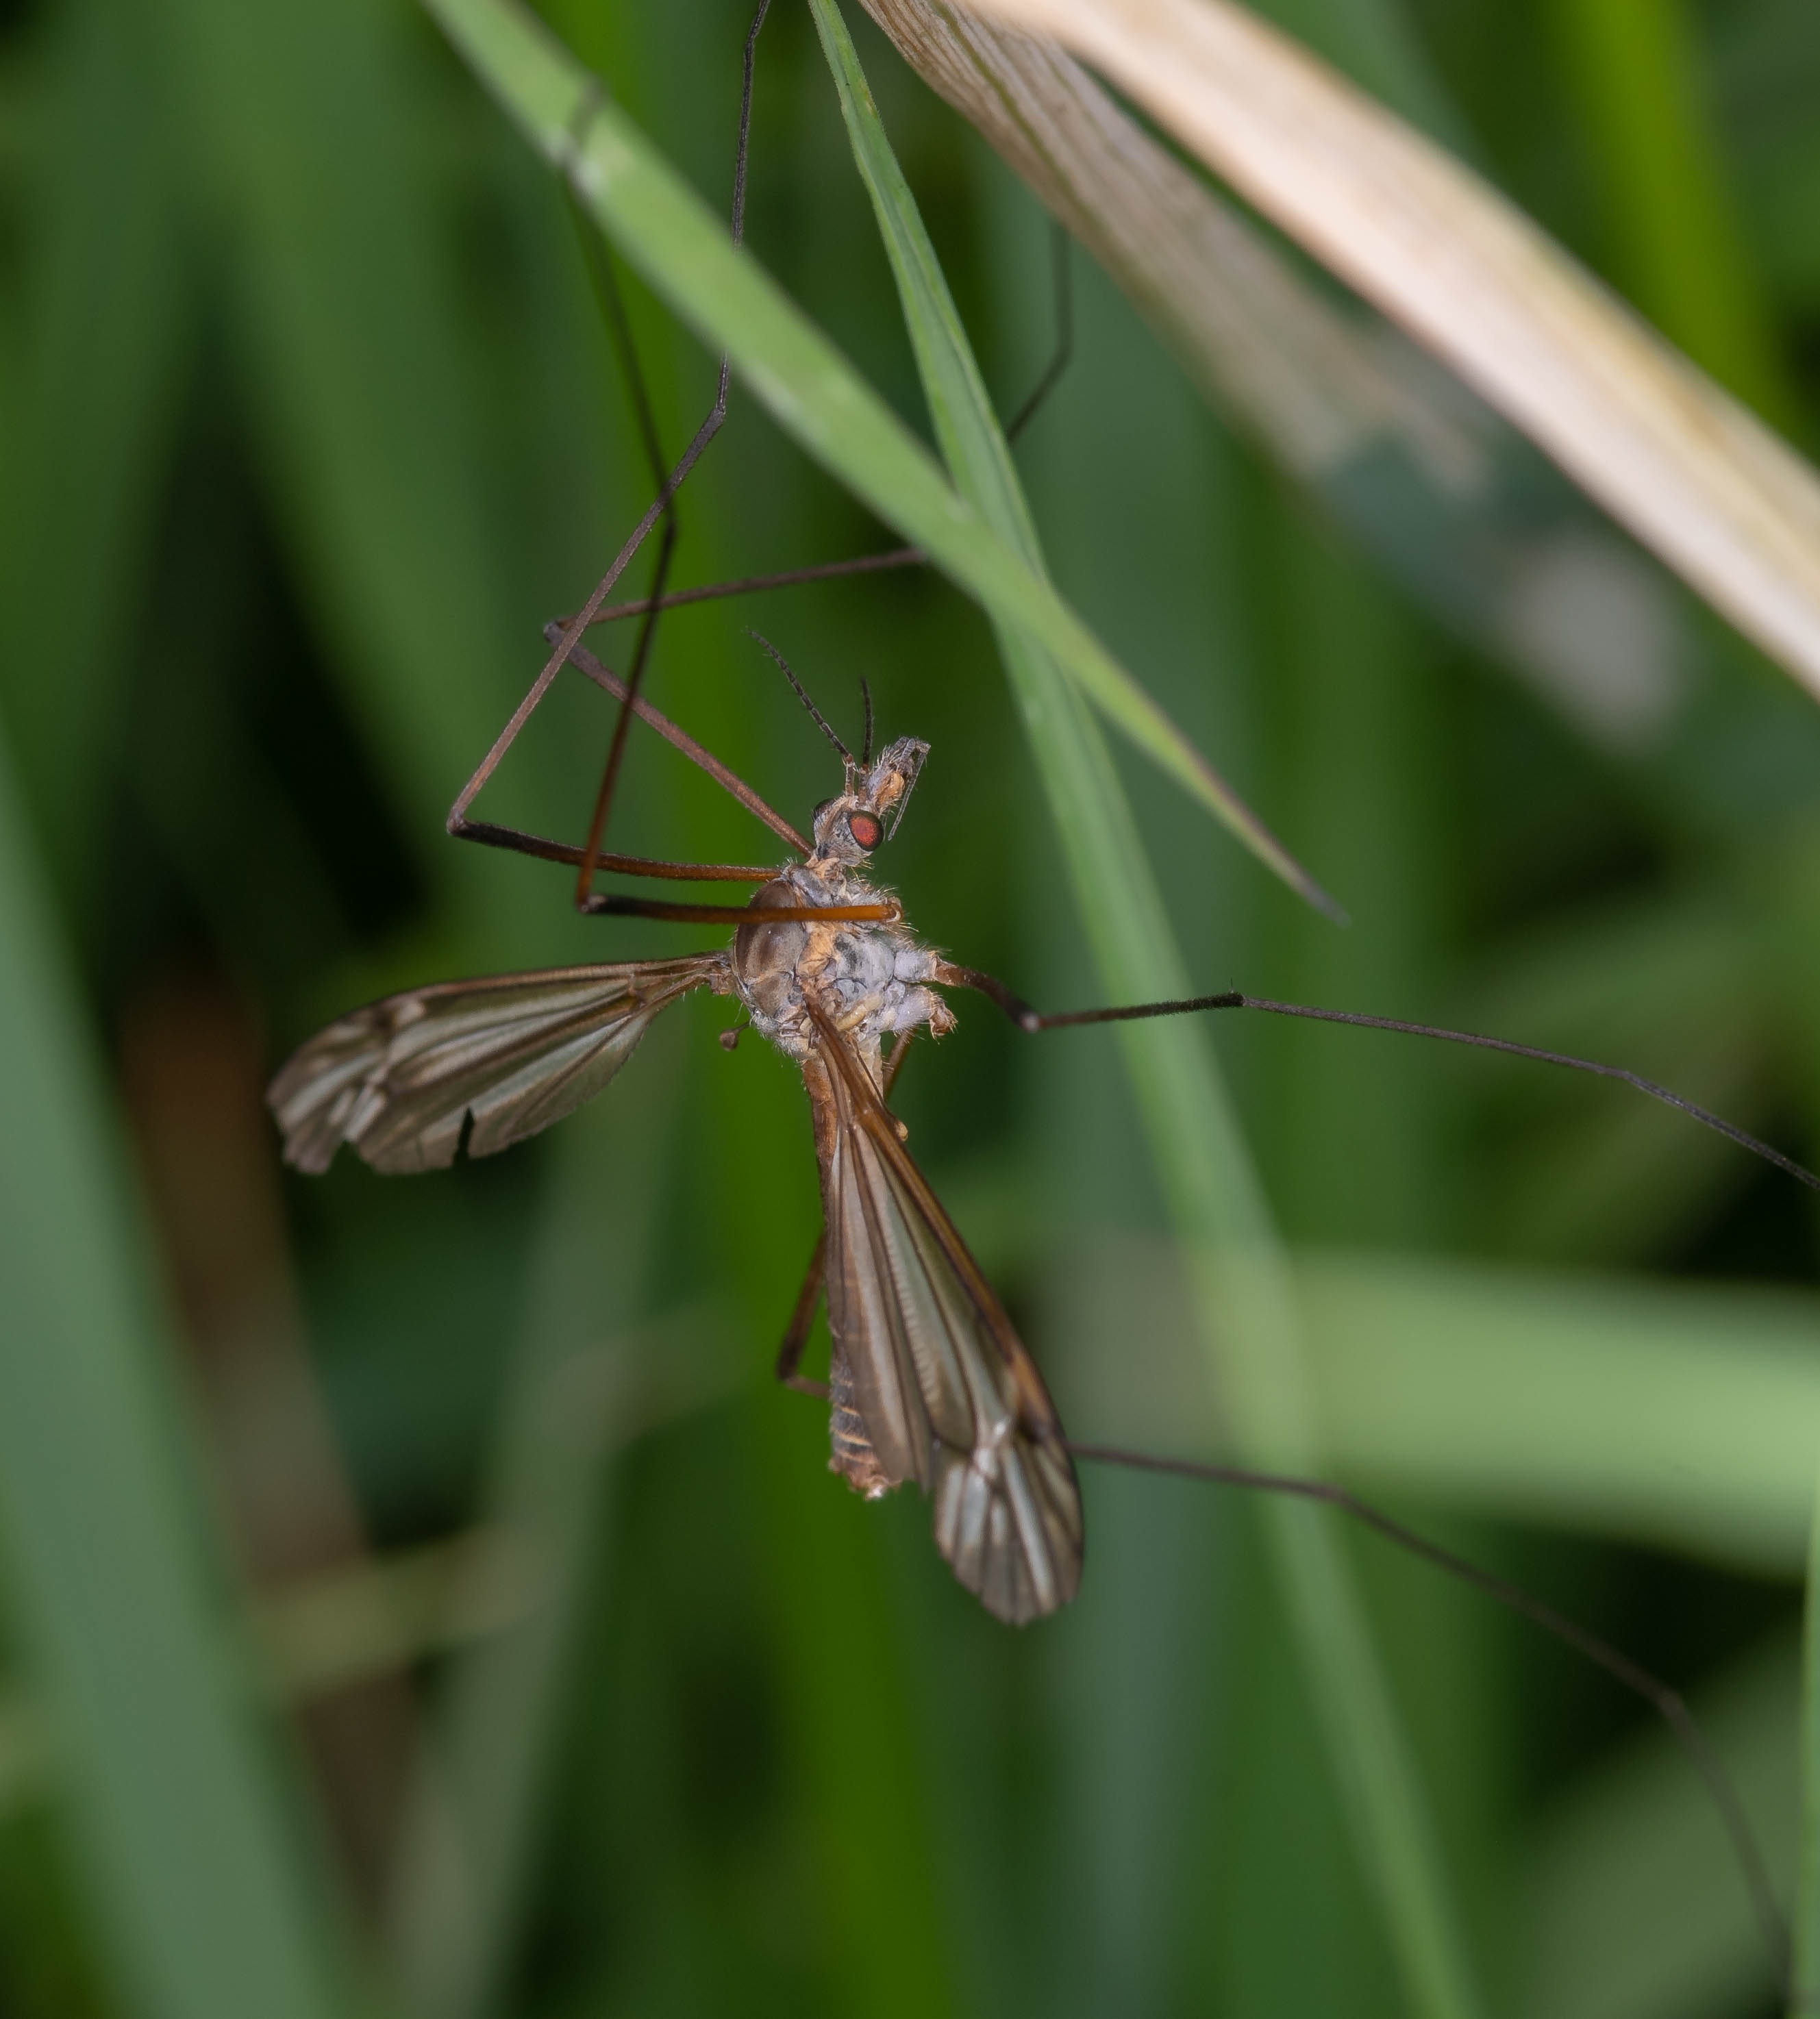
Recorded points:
(865, 829)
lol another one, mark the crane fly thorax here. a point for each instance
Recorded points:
(870, 980)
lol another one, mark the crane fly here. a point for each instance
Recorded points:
(928, 1380)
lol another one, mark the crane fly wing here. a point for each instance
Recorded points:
(929, 1382)
(399, 1078)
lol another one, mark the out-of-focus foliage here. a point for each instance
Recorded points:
(604, 1696)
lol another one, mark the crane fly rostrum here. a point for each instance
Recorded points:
(929, 1381)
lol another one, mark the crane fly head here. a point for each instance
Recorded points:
(848, 828)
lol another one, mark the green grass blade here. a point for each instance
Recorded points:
(1378, 46)
(105, 311)
(197, 1873)
(1635, 1909)
(483, 1782)
(367, 420)
(1805, 1990)
(1245, 1308)
(682, 249)
(1681, 1417)
(1676, 241)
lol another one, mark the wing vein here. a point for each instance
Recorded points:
(947, 1392)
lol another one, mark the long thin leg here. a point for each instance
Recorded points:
(571, 633)
(622, 722)
(484, 831)
(611, 303)
(1060, 358)
(705, 434)
(802, 1314)
(802, 1317)
(752, 585)
(1062, 278)
(892, 557)
(1668, 1703)
(1028, 1019)
(606, 679)
(519, 842)
(616, 905)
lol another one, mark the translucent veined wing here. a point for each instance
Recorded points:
(399, 1078)
(929, 1381)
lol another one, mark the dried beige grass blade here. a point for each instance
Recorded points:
(1340, 397)
(1727, 504)
(1284, 362)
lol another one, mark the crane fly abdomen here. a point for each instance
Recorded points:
(850, 1443)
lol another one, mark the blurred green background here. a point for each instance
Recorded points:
(414, 1596)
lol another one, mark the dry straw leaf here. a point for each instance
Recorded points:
(1282, 360)
(1725, 502)
(1340, 396)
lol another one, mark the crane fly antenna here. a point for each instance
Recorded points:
(822, 722)
(866, 747)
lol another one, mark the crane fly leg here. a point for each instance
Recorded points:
(802, 1317)
(617, 905)
(565, 639)
(489, 836)
(1029, 1019)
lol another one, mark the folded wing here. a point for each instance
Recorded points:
(926, 1360)
(399, 1079)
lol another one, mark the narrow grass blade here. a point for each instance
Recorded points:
(368, 420)
(1805, 1990)
(473, 1829)
(1683, 1417)
(1680, 249)
(1243, 1307)
(1726, 503)
(197, 1870)
(103, 292)
(683, 250)
(1276, 353)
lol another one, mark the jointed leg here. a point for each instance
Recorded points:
(893, 557)
(1667, 1703)
(569, 636)
(1063, 354)
(752, 585)
(1028, 1019)
(661, 504)
(617, 905)
(802, 1317)
(464, 829)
